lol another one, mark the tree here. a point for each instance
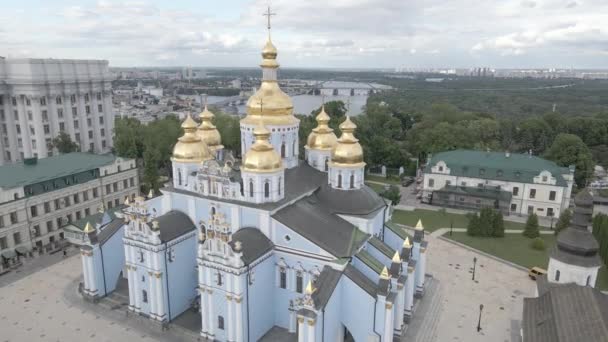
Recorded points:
(473, 227)
(63, 143)
(486, 221)
(230, 128)
(393, 194)
(534, 135)
(564, 221)
(569, 149)
(128, 138)
(151, 175)
(498, 226)
(531, 229)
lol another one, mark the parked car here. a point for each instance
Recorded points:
(407, 181)
(536, 272)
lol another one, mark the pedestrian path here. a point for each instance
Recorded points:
(425, 321)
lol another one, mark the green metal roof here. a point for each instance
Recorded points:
(21, 174)
(515, 167)
(370, 261)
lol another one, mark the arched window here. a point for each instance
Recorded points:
(352, 181)
(339, 181)
(557, 275)
(283, 150)
(220, 322)
(266, 189)
(250, 188)
(326, 164)
(293, 149)
(212, 211)
(179, 177)
(279, 186)
(144, 296)
(242, 188)
(588, 280)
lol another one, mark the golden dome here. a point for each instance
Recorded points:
(276, 106)
(190, 148)
(269, 51)
(348, 152)
(322, 137)
(262, 157)
(208, 132)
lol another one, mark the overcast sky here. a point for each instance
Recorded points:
(312, 33)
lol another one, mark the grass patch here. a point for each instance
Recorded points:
(379, 188)
(601, 282)
(433, 220)
(382, 179)
(515, 248)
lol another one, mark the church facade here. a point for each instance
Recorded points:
(267, 241)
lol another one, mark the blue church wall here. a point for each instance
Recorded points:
(329, 326)
(392, 239)
(282, 297)
(220, 310)
(249, 217)
(97, 266)
(377, 222)
(261, 299)
(179, 202)
(357, 309)
(182, 273)
(113, 260)
(361, 266)
(144, 285)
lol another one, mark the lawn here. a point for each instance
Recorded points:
(516, 249)
(433, 220)
(382, 179)
(513, 247)
(379, 188)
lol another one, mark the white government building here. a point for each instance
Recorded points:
(39, 98)
(514, 183)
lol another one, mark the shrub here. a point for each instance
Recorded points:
(538, 244)
(393, 194)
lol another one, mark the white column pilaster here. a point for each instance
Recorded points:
(211, 316)
(204, 321)
(239, 319)
(158, 278)
(311, 336)
(130, 280)
(230, 320)
(153, 297)
(301, 329)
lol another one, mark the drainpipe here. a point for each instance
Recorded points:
(247, 289)
(376, 308)
(103, 272)
(323, 326)
(167, 284)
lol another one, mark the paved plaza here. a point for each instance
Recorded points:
(45, 306)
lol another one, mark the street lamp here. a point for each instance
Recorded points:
(479, 322)
(451, 226)
(474, 262)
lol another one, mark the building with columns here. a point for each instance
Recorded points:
(40, 98)
(269, 242)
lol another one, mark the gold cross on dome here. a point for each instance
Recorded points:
(268, 14)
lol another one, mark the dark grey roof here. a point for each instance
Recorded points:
(109, 230)
(325, 285)
(361, 280)
(311, 219)
(362, 201)
(299, 180)
(174, 224)
(254, 244)
(566, 313)
(576, 245)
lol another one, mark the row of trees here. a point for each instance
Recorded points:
(487, 223)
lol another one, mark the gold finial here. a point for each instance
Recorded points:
(310, 288)
(151, 193)
(88, 228)
(384, 274)
(396, 257)
(406, 243)
(419, 225)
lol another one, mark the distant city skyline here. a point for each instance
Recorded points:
(313, 33)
